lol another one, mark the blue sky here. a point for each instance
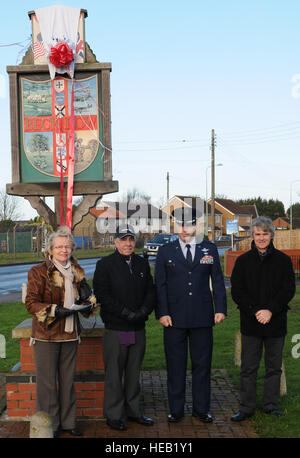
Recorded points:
(179, 70)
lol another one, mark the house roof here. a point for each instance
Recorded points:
(107, 212)
(192, 202)
(296, 221)
(251, 210)
(128, 209)
(237, 209)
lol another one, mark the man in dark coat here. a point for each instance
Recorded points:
(262, 285)
(185, 308)
(124, 287)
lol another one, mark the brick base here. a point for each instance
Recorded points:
(89, 381)
(89, 355)
(21, 394)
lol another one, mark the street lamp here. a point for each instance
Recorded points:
(206, 204)
(291, 209)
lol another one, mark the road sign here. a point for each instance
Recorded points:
(231, 226)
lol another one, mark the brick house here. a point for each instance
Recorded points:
(283, 222)
(101, 221)
(230, 210)
(194, 202)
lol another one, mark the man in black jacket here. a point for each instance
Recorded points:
(262, 285)
(124, 287)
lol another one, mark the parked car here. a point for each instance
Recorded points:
(223, 238)
(151, 247)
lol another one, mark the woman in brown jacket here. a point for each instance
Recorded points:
(55, 288)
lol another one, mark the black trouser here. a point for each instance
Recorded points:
(122, 375)
(252, 348)
(176, 342)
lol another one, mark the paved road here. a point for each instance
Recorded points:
(12, 277)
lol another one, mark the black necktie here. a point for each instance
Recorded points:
(189, 257)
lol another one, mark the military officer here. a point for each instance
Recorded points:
(188, 309)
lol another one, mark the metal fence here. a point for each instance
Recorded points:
(296, 264)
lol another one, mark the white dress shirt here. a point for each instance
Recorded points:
(192, 243)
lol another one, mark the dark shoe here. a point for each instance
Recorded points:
(116, 424)
(205, 417)
(275, 412)
(146, 421)
(172, 418)
(73, 432)
(241, 416)
(56, 434)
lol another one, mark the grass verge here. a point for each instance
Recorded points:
(288, 426)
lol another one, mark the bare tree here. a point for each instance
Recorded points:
(161, 202)
(136, 195)
(9, 207)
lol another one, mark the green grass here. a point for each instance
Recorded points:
(11, 314)
(10, 258)
(35, 257)
(287, 426)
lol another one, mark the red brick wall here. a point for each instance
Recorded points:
(231, 256)
(89, 355)
(20, 399)
(89, 399)
(89, 381)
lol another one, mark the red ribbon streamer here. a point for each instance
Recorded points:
(62, 220)
(71, 163)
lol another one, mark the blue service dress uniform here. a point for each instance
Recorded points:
(184, 293)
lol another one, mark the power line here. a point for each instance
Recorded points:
(262, 129)
(254, 141)
(281, 132)
(163, 149)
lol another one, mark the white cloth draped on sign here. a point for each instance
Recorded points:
(59, 23)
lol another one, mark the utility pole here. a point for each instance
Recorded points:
(168, 197)
(291, 209)
(168, 187)
(212, 185)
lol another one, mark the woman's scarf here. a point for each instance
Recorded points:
(69, 298)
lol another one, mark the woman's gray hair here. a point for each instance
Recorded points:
(264, 223)
(62, 231)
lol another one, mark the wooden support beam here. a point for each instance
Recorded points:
(52, 189)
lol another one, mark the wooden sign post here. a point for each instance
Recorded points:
(40, 110)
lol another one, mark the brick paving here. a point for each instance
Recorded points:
(224, 402)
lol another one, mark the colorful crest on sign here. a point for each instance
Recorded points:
(46, 112)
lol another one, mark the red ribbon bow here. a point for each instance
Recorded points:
(61, 55)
